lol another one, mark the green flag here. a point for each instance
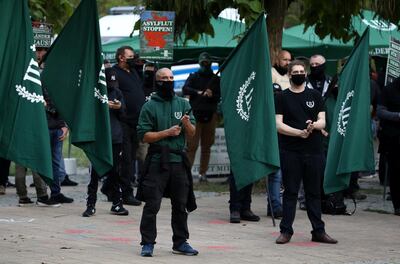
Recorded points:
(74, 76)
(350, 145)
(24, 135)
(248, 108)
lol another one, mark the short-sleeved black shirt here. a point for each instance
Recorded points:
(296, 109)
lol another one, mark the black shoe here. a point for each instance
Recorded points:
(23, 202)
(61, 198)
(323, 238)
(235, 217)
(302, 206)
(118, 209)
(397, 211)
(283, 238)
(248, 215)
(68, 182)
(90, 211)
(130, 200)
(277, 214)
(10, 185)
(32, 184)
(45, 201)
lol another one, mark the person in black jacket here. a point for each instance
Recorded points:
(131, 87)
(389, 113)
(204, 93)
(116, 106)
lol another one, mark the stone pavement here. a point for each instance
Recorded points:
(60, 235)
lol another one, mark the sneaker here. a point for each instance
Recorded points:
(185, 249)
(45, 201)
(130, 200)
(61, 198)
(90, 211)
(118, 209)
(302, 206)
(68, 182)
(2, 190)
(248, 215)
(23, 202)
(147, 250)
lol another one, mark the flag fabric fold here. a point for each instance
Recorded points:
(24, 134)
(350, 145)
(74, 77)
(248, 108)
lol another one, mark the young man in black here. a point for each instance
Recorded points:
(300, 117)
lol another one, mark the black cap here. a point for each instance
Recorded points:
(204, 56)
(111, 78)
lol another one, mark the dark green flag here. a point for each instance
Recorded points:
(75, 79)
(248, 108)
(24, 135)
(350, 145)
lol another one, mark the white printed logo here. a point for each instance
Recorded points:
(310, 104)
(97, 93)
(32, 74)
(178, 115)
(243, 101)
(344, 114)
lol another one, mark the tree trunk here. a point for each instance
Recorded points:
(276, 11)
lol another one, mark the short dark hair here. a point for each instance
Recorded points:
(121, 51)
(294, 63)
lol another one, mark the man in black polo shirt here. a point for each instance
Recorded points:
(130, 85)
(300, 117)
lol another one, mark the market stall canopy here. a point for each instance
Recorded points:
(307, 43)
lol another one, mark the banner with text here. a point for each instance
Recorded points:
(157, 35)
(393, 62)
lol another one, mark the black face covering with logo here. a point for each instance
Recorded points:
(165, 89)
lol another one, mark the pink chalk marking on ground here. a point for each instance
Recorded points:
(303, 244)
(221, 248)
(123, 240)
(218, 222)
(78, 231)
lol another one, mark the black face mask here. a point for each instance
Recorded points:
(318, 72)
(131, 62)
(165, 89)
(281, 70)
(148, 78)
(298, 79)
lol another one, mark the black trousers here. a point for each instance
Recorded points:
(239, 200)
(309, 168)
(129, 147)
(4, 171)
(393, 159)
(112, 180)
(155, 184)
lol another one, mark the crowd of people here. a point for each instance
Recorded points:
(156, 133)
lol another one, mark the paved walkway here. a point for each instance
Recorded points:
(60, 235)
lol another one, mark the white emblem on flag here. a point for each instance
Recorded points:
(310, 104)
(97, 93)
(344, 114)
(243, 101)
(32, 74)
(178, 115)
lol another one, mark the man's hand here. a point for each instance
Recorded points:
(114, 104)
(310, 125)
(64, 133)
(185, 120)
(304, 133)
(208, 93)
(324, 133)
(174, 131)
